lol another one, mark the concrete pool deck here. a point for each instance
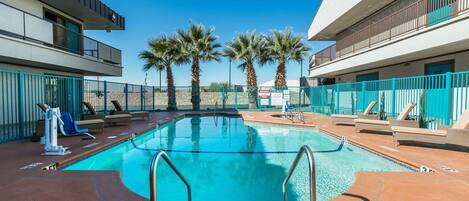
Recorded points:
(21, 177)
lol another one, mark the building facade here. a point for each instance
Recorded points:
(44, 57)
(387, 39)
(46, 37)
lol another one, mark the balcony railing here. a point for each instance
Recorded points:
(418, 15)
(20, 24)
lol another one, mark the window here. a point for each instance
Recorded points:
(67, 34)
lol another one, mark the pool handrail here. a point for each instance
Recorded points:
(153, 170)
(305, 149)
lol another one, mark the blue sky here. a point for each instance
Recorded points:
(146, 19)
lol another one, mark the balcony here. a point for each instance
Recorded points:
(19, 24)
(417, 16)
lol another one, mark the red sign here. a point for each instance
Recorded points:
(263, 93)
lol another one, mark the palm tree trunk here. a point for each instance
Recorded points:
(195, 84)
(172, 104)
(252, 85)
(280, 77)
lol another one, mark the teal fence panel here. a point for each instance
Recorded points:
(94, 94)
(148, 104)
(440, 99)
(114, 91)
(9, 118)
(134, 99)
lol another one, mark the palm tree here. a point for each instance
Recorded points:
(198, 44)
(247, 48)
(163, 52)
(283, 47)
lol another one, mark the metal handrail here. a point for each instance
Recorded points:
(154, 168)
(312, 172)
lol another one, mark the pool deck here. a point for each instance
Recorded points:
(22, 177)
(414, 186)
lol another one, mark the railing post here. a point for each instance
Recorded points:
(448, 94)
(73, 99)
(153, 95)
(126, 91)
(337, 104)
(323, 101)
(363, 95)
(393, 99)
(236, 98)
(105, 97)
(21, 98)
(142, 97)
(311, 99)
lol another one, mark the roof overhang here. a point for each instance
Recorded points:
(334, 16)
(94, 14)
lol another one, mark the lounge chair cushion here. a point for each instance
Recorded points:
(405, 111)
(463, 121)
(344, 116)
(118, 116)
(91, 121)
(371, 121)
(139, 113)
(419, 131)
(369, 108)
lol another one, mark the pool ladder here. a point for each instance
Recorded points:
(153, 170)
(304, 150)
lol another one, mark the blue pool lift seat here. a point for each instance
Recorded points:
(70, 128)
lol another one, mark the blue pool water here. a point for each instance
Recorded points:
(236, 161)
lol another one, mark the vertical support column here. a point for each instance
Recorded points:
(153, 95)
(393, 98)
(448, 94)
(126, 90)
(142, 98)
(337, 103)
(105, 97)
(363, 96)
(21, 98)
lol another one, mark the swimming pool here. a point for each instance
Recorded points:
(224, 158)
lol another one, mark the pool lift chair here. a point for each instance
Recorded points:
(54, 120)
(51, 147)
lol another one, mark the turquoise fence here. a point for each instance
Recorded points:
(21, 92)
(440, 99)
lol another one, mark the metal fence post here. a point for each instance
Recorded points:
(337, 104)
(142, 97)
(153, 95)
(448, 94)
(311, 99)
(323, 99)
(21, 98)
(126, 91)
(236, 99)
(105, 97)
(363, 95)
(393, 98)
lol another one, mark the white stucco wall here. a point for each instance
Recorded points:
(329, 11)
(415, 68)
(36, 8)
